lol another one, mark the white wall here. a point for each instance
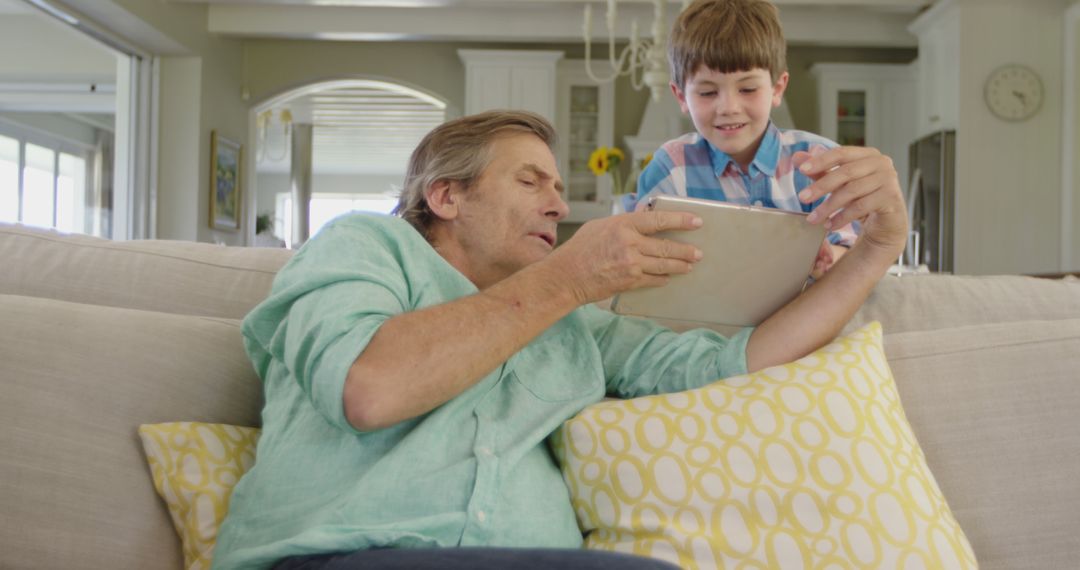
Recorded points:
(1009, 174)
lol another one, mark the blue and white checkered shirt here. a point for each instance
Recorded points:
(690, 166)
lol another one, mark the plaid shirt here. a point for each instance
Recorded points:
(690, 166)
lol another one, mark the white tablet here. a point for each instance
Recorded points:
(756, 261)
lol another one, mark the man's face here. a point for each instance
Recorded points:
(731, 110)
(508, 219)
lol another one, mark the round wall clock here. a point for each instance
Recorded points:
(1013, 92)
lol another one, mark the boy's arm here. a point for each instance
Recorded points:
(862, 185)
(839, 236)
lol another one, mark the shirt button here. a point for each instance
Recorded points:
(481, 516)
(485, 451)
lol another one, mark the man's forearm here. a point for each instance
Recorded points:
(816, 317)
(422, 359)
(419, 360)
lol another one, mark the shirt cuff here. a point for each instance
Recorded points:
(733, 362)
(328, 389)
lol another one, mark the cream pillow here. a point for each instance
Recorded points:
(195, 467)
(807, 465)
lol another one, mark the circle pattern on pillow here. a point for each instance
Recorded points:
(807, 465)
(195, 467)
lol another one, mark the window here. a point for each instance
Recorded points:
(42, 184)
(83, 124)
(325, 207)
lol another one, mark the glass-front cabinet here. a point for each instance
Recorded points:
(585, 122)
(847, 110)
(868, 105)
(851, 117)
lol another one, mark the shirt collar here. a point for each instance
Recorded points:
(765, 160)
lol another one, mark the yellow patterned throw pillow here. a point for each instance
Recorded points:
(807, 465)
(195, 467)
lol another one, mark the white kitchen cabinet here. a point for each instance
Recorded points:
(585, 120)
(869, 105)
(582, 111)
(510, 79)
(938, 30)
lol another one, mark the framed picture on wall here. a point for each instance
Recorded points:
(225, 161)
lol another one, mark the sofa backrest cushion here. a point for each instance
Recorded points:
(157, 275)
(931, 302)
(77, 381)
(995, 409)
(935, 301)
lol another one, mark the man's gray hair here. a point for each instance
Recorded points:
(459, 151)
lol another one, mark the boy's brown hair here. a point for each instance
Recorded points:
(727, 36)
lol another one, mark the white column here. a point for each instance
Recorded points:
(300, 183)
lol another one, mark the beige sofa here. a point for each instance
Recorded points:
(99, 337)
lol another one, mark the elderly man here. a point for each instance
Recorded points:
(413, 368)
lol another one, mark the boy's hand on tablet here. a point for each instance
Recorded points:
(861, 184)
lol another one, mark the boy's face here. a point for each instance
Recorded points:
(731, 110)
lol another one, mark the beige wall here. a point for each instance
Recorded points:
(179, 149)
(1074, 263)
(1009, 174)
(225, 112)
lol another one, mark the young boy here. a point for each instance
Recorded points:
(729, 70)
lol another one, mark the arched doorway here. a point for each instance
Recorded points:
(355, 136)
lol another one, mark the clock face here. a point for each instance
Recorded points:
(1014, 92)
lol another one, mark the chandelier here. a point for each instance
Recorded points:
(643, 59)
(263, 124)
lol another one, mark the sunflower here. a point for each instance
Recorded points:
(645, 161)
(599, 162)
(616, 155)
(606, 160)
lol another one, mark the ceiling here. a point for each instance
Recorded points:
(878, 23)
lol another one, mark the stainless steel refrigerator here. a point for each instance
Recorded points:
(931, 201)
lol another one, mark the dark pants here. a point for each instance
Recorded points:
(474, 559)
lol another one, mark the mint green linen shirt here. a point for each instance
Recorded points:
(476, 471)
